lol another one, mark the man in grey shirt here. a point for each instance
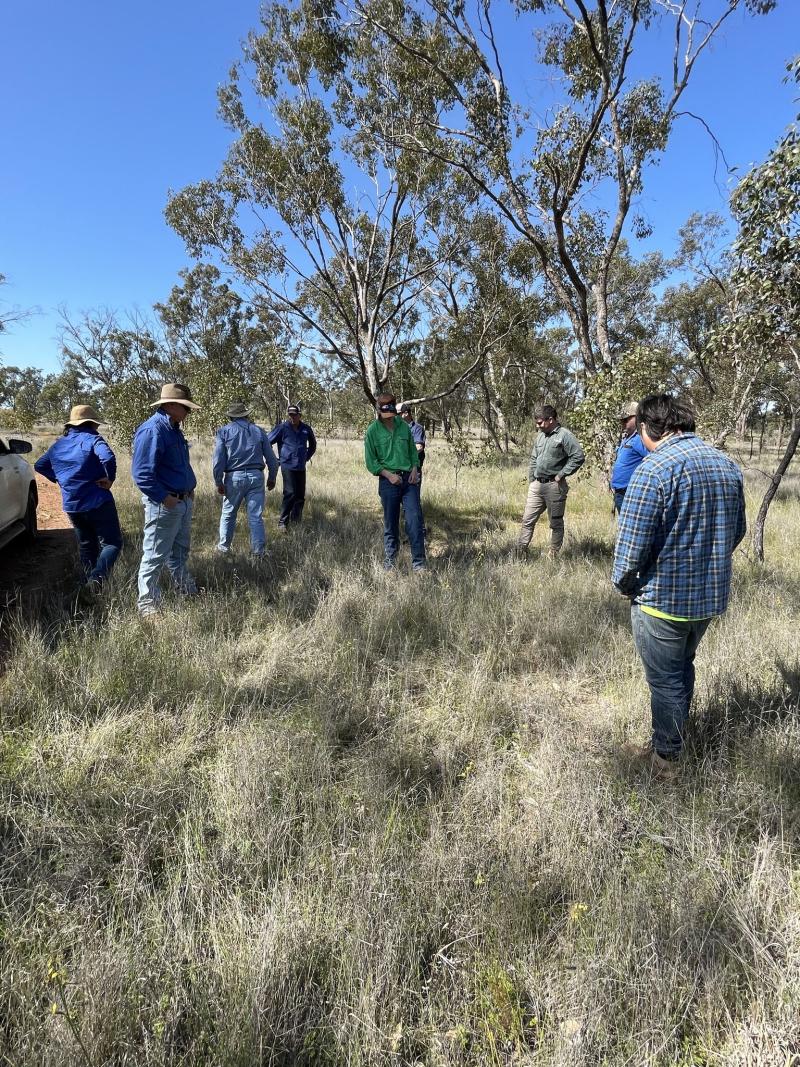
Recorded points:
(556, 455)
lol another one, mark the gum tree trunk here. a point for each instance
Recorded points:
(772, 488)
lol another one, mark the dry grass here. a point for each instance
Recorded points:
(321, 817)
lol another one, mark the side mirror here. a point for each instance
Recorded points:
(19, 447)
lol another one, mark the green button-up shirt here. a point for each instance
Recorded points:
(391, 450)
(556, 453)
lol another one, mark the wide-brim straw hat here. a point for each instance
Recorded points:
(238, 411)
(80, 414)
(175, 393)
(628, 410)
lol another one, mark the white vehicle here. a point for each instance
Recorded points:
(18, 495)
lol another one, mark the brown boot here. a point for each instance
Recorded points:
(663, 770)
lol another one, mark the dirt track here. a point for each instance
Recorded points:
(27, 571)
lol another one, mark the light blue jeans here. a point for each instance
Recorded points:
(167, 539)
(247, 486)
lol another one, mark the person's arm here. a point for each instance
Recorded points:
(741, 518)
(534, 458)
(638, 525)
(102, 450)
(413, 457)
(371, 459)
(44, 467)
(575, 455)
(219, 462)
(270, 460)
(312, 444)
(147, 449)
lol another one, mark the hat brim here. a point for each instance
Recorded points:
(82, 422)
(238, 414)
(174, 400)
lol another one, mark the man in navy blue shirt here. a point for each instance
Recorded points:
(161, 469)
(84, 467)
(630, 453)
(241, 450)
(296, 445)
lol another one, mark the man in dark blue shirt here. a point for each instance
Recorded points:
(630, 453)
(296, 445)
(161, 469)
(84, 467)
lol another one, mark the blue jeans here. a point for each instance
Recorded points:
(667, 650)
(99, 539)
(392, 497)
(247, 486)
(167, 539)
(619, 496)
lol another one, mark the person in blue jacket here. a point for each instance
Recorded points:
(84, 467)
(162, 471)
(241, 451)
(630, 453)
(296, 445)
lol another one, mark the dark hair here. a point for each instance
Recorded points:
(385, 398)
(663, 414)
(545, 411)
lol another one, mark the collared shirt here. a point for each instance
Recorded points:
(241, 445)
(682, 517)
(555, 453)
(76, 461)
(390, 450)
(630, 453)
(161, 458)
(295, 446)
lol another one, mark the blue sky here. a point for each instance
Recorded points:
(107, 106)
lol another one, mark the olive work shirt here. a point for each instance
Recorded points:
(555, 453)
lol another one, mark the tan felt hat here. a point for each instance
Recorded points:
(174, 393)
(82, 413)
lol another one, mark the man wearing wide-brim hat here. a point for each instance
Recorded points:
(630, 453)
(84, 466)
(163, 472)
(241, 451)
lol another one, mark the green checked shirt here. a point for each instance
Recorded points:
(390, 450)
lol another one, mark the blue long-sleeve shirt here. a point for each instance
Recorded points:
(161, 459)
(682, 517)
(295, 446)
(630, 453)
(76, 461)
(241, 445)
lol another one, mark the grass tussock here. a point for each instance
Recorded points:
(320, 816)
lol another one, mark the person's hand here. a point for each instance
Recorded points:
(103, 483)
(221, 490)
(170, 501)
(392, 478)
(270, 484)
(413, 477)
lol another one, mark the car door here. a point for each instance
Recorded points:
(9, 487)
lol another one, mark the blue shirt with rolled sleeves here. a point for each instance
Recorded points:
(240, 445)
(77, 461)
(161, 459)
(295, 446)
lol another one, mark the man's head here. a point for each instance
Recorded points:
(294, 413)
(386, 403)
(238, 410)
(627, 417)
(661, 415)
(405, 413)
(83, 415)
(546, 417)
(175, 401)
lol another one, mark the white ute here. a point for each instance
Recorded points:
(18, 495)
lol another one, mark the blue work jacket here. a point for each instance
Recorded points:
(295, 447)
(161, 458)
(76, 461)
(240, 445)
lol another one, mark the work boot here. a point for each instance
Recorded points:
(646, 757)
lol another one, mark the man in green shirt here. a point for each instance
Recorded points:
(556, 455)
(391, 455)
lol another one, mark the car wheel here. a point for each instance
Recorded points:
(31, 526)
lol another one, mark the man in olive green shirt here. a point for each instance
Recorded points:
(556, 455)
(391, 455)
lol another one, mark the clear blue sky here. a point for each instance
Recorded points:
(105, 107)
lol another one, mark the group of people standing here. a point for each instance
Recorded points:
(679, 501)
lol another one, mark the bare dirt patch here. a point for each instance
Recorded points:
(27, 571)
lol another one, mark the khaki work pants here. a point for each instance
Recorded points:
(544, 496)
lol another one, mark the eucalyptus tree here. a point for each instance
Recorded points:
(328, 224)
(567, 182)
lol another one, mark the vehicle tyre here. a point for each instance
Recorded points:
(31, 526)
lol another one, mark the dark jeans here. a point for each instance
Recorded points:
(99, 539)
(667, 650)
(619, 496)
(294, 496)
(393, 497)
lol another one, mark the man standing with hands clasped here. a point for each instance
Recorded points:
(391, 455)
(296, 445)
(241, 450)
(556, 455)
(163, 473)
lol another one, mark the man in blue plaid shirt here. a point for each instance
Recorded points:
(682, 517)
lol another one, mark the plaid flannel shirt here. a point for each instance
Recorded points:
(682, 517)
